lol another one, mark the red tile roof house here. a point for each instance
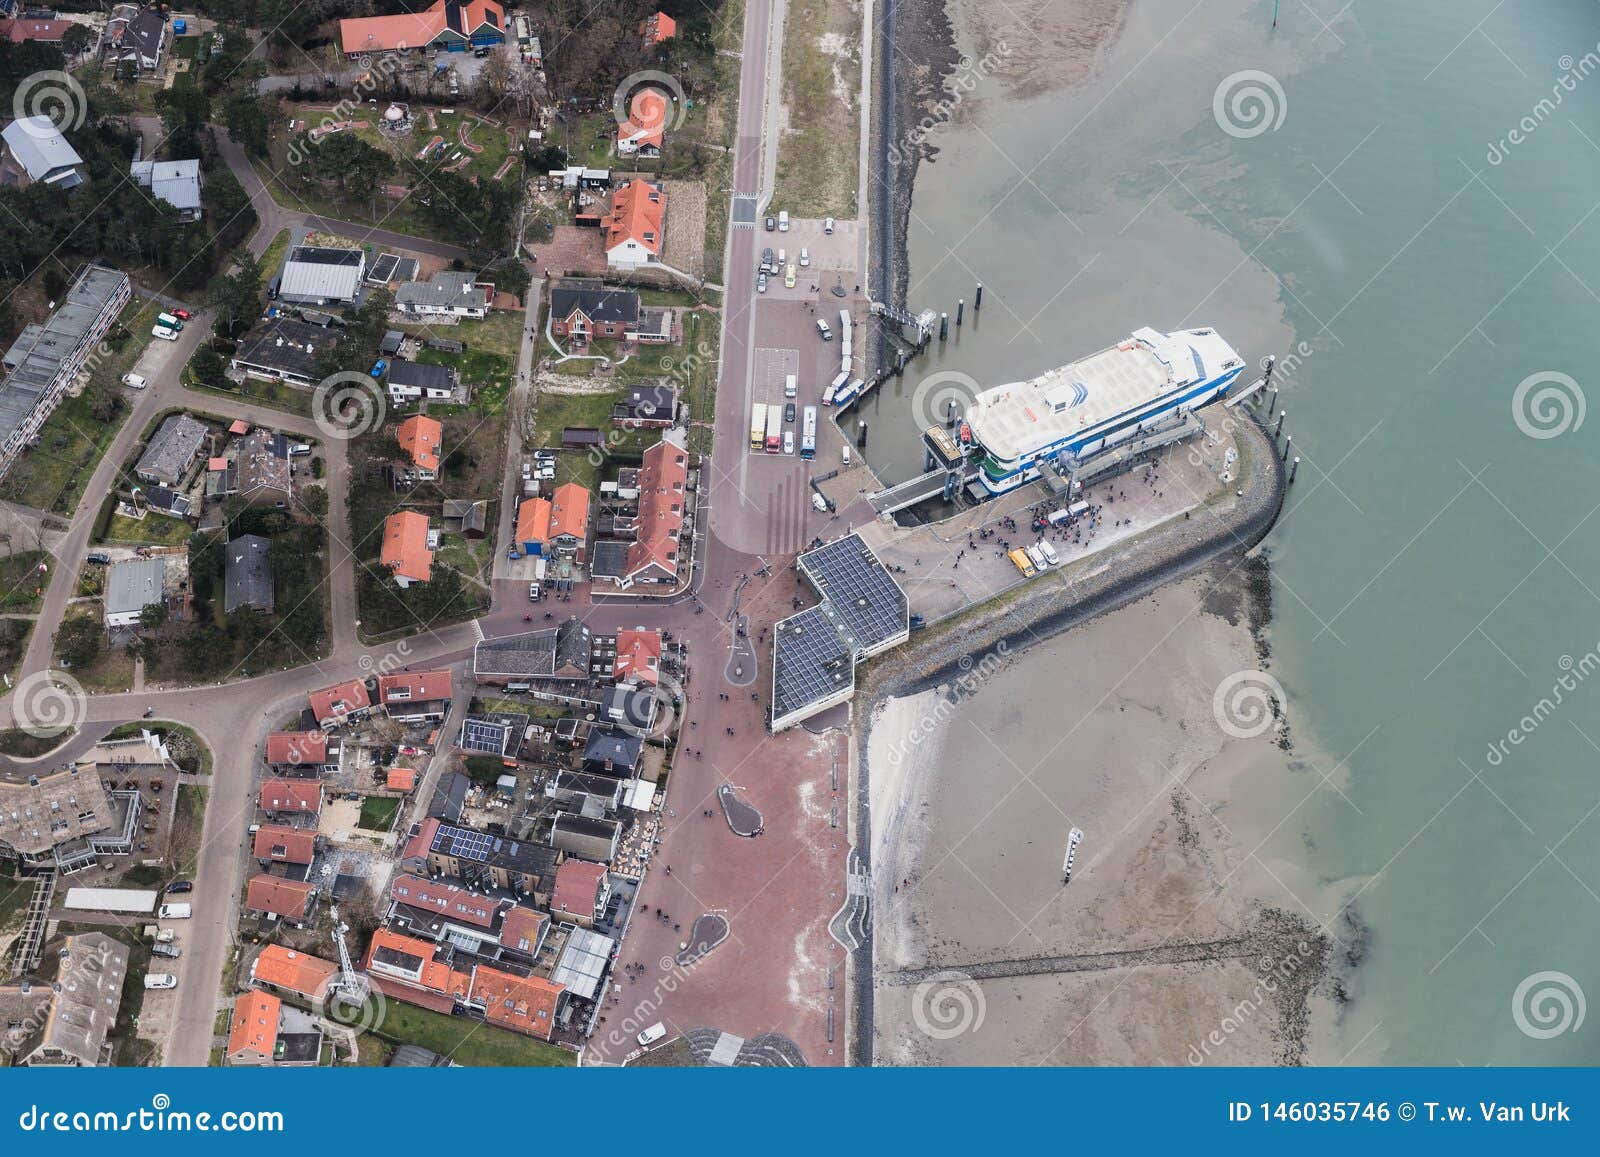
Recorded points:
(278, 844)
(292, 901)
(293, 797)
(525, 1004)
(638, 657)
(452, 904)
(408, 969)
(309, 750)
(253, 1034)
(286, 971)
(569, 520)
(635, 226)
(658, 28)
(341, 703)
(401, 778)
(422, 439)
(405, 547)
(642, 132)
(653, 556)
(581, 892)
(415, 697)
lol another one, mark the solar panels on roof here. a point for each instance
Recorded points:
(463, 843)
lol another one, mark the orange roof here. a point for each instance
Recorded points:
(533, 520)
(658, 26)
(419, 845)
(638, 656)
(414, 687)
(255, 1024)
(525, 1004)
(569, 512)
(577, 888)
(342, 699)
(291, 795)
(411, 961)
(417, 29)
(285, 845)
(522, 928)
(297, 747)
(637, 212)
(447, 900)
(663, 481)
(647, 119)
(239, 427)
(405, 546)
(401, 778)
(291, 898)
(293, 971)
(421, 437)
(216, 463)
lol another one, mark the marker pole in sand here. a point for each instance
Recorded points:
(1074, 838)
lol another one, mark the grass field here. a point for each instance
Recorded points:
(272, 257)
(822, 94)
(183, 849)
(275, 395)
(21, 580)
(24, 745)
(467, 1042)
(14, 635)
(378, 811)
(154, 529)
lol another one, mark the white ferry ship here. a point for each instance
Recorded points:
(1101, 400)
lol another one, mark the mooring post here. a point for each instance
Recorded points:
(977, 301)
(1273, 403)
(1278, 429)
(1287, 441)
(961, 308)
(1294, 468)
(944, 326)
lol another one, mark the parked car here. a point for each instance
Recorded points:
(533, 592)
(788, 441)
(761, 283)
(788, 276)
(99, 558)
(182, 314)
(772, 224)
(178, 886)
(822, 328)
(165, 948)
(788, 412)
(160, 980)
(175, 911)
(827, 225)
(658, 1030)
(783, 221)
(805, 259)
(766, 261)
(134, 381)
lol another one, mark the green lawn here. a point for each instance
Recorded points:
(183, 849)
(17, 742)
(21, 581)
(272, 257)
(154, 529)
(14, 634)
(467, 1042)
(274, 395)
(14, 895)
(378, 812)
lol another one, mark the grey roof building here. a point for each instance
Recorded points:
(66, 1019)
(175, 182)
(558, 653)
(586, 837)
(591, 298)
(46, 359)
(285, 349)
(417, 378)
(321, 275)
(35, 150)
(142, 39)
(248, 574)
(611, 751)
(170, 454)
(132, 585)
(445, 292)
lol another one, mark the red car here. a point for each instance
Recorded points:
(181, 314)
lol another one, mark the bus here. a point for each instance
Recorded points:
(808, 434)
(829, 394)
(844, 325)
(758, 426)
(774, 429)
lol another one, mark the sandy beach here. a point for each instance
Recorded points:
(1170, 945)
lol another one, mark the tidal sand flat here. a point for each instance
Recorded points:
(1171, 944)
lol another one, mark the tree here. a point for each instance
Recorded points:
(185, 112)
(248, 123)
(239, 298)
(315, 501)
(77, 39)
(208, 368)
(79, 641)
(153, 616)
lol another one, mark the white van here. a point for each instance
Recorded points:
(791, 385)
(134, 381)
(1049, 552)
(300, 448)
(783, 225)
(827, 225)
(652, 1034)
(844, 453)
(174, 912)
(164, 333)
(788, 441)
(160, 980)
(822, 328)
(783, 258)
(1036, 556)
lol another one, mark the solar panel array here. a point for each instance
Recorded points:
(484, 735)
(863, 595)
(463, 843)
(811, 661)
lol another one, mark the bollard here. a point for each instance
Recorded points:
(961, 308)
(1286, 441)
(1278, 429)
(944, 326)
(977, 300)
(1294, 468)
(1273, 403)
(861, 433)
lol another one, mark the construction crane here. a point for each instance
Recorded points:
(352, 987)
